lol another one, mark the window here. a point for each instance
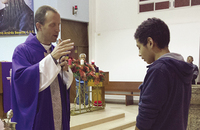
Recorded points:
(195, 2)
(162, 5)
(153, 5)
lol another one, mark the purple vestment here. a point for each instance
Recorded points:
(33, 109)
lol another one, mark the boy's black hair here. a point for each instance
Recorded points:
(154, 28)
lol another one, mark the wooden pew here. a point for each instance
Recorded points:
(131, 89)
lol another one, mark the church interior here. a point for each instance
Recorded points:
(104, 31)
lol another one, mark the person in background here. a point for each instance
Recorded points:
(16, 16)
(83, 93)
(166, 90)
(41, 77)
(195, 69)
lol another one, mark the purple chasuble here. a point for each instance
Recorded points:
(33, 109)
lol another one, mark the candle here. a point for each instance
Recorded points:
(10, 72)
(92, 62)
(70, 61)
(82, 62)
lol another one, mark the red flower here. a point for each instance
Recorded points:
(82, 75)
(86, 72)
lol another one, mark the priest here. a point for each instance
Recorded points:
(41, 77)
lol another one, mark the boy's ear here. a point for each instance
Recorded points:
(150, 42)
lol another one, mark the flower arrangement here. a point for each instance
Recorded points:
(86, 71)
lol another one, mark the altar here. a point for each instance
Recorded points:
(96, 96)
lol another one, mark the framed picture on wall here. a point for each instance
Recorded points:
(16, 17)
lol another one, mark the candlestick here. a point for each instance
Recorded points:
(97, 69)
(82, 62)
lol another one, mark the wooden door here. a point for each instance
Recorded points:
(78, 33)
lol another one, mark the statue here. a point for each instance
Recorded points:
(8, 125)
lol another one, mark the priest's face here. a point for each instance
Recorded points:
(51, 28)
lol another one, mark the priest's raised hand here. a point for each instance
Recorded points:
(62, 49)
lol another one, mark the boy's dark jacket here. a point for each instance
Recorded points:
(165, 95)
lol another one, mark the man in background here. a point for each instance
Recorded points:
(41, 77)
(195, 69)
(166, 90)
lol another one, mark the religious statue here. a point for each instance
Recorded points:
(8, 125)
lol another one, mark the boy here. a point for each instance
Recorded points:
(166, 90)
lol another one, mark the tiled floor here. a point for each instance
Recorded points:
(111, 109)
(120, 113)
